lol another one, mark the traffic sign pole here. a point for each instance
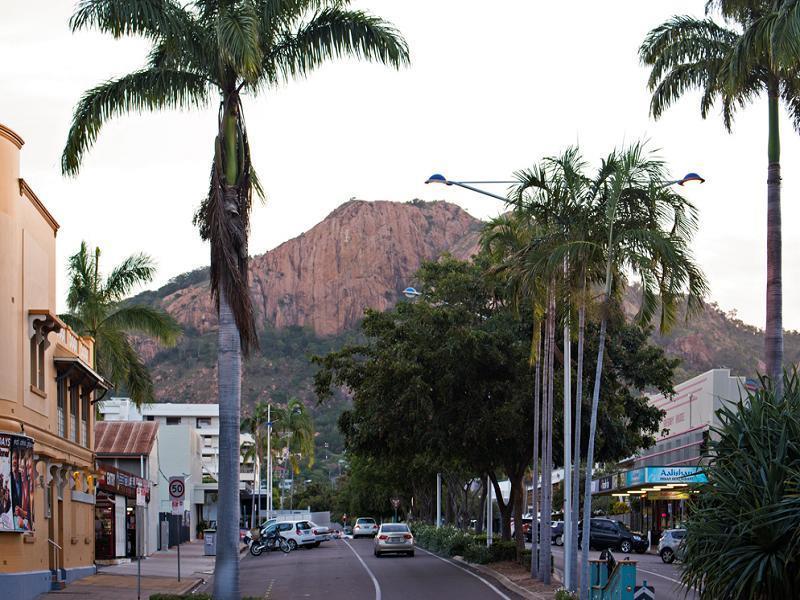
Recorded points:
(177, 493)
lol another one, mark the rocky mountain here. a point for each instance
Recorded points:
(362, 255)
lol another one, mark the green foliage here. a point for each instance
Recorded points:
(502, 551)
(743, 533)
(96, 308)
(565, 594)
(477, 553)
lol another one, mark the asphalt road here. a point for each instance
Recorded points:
(347, 569)
(663, 577)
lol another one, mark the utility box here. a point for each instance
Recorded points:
(210, 542)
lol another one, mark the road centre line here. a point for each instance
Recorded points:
(449, 562)
(660, 575)
(369, 572)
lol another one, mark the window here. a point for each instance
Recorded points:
(73, 412)
(61, 394)
(149, 418)
(394, 528)
(85, 418)
(203, 422)
(38, 342)
(173, 420)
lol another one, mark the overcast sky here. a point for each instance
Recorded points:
(492, 88)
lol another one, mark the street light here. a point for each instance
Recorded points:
(411, 293)
(691, 176)
(439, 178)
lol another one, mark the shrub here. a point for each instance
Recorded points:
(742, 536)
(500, 551)
(565, 594)
(477, 554)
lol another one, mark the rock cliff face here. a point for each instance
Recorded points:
(361, 256)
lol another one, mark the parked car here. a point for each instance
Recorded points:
(297, 533)
(608, 533)
(365, 527)
(671, 545)
(556, 532)
(394, 537)
(321, 533)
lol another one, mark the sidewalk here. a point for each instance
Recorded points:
(159, 574)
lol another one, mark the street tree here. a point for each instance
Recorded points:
(202, 51)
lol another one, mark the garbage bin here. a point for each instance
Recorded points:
(210, 542)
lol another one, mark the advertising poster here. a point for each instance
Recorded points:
(6, 514)
(22, 481)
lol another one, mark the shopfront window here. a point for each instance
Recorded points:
(73, 412)
(60, 406)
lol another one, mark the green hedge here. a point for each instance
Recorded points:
(450, 541)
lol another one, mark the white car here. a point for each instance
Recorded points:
(321, 533)
(297, 533)
(365, 527)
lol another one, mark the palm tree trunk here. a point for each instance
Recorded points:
(576, 473)
(229, 374)
(773, 333)
(547, 515)
(535, 477)
(229, 370)
(587, 492)
(543, 435)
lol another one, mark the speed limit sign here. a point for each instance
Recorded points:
(177, 488)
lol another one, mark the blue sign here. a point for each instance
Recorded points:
(675, 475)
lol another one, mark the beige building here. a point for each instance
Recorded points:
(47, 389)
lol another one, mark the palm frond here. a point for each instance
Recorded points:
(149, 89)
(336, 33)
(150, 18)
(134, 270)
(142, 319)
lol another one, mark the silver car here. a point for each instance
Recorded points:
(394, 537)
(671, 545)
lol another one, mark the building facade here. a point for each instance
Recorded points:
(127, 508)
(47, 389)
(657, 482)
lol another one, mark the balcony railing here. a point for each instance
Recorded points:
(80, 347)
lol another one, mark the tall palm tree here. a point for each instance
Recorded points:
(756, 50)
(293, 429)
(644, 229)
(96, 309)
(223, 49)
(256, 424)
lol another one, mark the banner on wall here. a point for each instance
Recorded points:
(17, 480)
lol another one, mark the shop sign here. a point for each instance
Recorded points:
(635, 477)
(119, 482)
(605, 484)
(675, 475)
(667, 495)
(17, 478)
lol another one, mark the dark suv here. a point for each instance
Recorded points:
(608, 533)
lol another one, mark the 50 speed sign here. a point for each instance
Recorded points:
(177, 488)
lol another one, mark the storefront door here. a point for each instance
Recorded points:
(105, 546)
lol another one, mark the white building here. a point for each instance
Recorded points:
(189, 443)
(690, 414)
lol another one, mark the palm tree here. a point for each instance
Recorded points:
(96, 309)
(256, 424)
(293, 428)
(223, 48)
(755, 51)
(643, 228)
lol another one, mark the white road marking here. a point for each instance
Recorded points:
(369, 572)
(449, 562)
(660, 575)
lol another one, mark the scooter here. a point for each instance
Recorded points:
(269, 542)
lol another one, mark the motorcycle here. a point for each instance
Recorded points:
(269, 542)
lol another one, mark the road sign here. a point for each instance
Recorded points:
(177, 488)
(644, 592)
(177, 507)
(395, 502)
